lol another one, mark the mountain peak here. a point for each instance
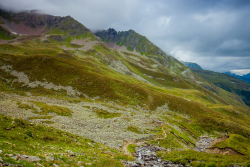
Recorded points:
(34, 22)
(132, 40)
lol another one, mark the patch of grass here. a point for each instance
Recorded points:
(236, 142)
(134, 129)
(5, 34)
(1, 21)
(45, 109)
(131, 148)
(171, 142)
(47, 122)
(202, 158)
(104, 113)
(26, 106)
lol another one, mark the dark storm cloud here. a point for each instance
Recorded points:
(212, 33)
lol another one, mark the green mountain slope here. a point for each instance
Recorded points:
(132, 40)
(69, 80)
(227, 82)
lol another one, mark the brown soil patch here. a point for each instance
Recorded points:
(223, 151)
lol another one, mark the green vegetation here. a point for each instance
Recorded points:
(227, 82)
(20, 137)
(104, 113)
(131, 38)
(204, 159)
(131, 86)
(131, 148)
(1, 21)
(45, 109)
(26, 107)
(236, 142)
(69, 29)
(5, 34)
(134, 129)
(171, 142)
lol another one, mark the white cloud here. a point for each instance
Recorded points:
(240, 72)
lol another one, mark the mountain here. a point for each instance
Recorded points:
(245, 78)
(71, 98)
(130, 39)
(192, 65)
(227, 82)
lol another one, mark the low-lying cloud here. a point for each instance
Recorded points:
(214, 34)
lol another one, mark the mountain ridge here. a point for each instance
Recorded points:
(227, 82)
(245, 78)
(130, 39)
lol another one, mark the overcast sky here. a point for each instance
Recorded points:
(213, 33)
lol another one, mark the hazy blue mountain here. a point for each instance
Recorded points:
(227, 82)
(245, 78)
(193, 65)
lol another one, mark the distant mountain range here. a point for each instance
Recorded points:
(228, 81)
(245, 78)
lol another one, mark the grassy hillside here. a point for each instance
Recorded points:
(74, 90)
(228, 83)
(51, 146)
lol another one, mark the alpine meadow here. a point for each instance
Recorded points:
(71, 97)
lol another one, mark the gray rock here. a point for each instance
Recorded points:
(23, 156)
(39, 165)
(49, 158)
(33, 158)
(89, 163)
(140, 161)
